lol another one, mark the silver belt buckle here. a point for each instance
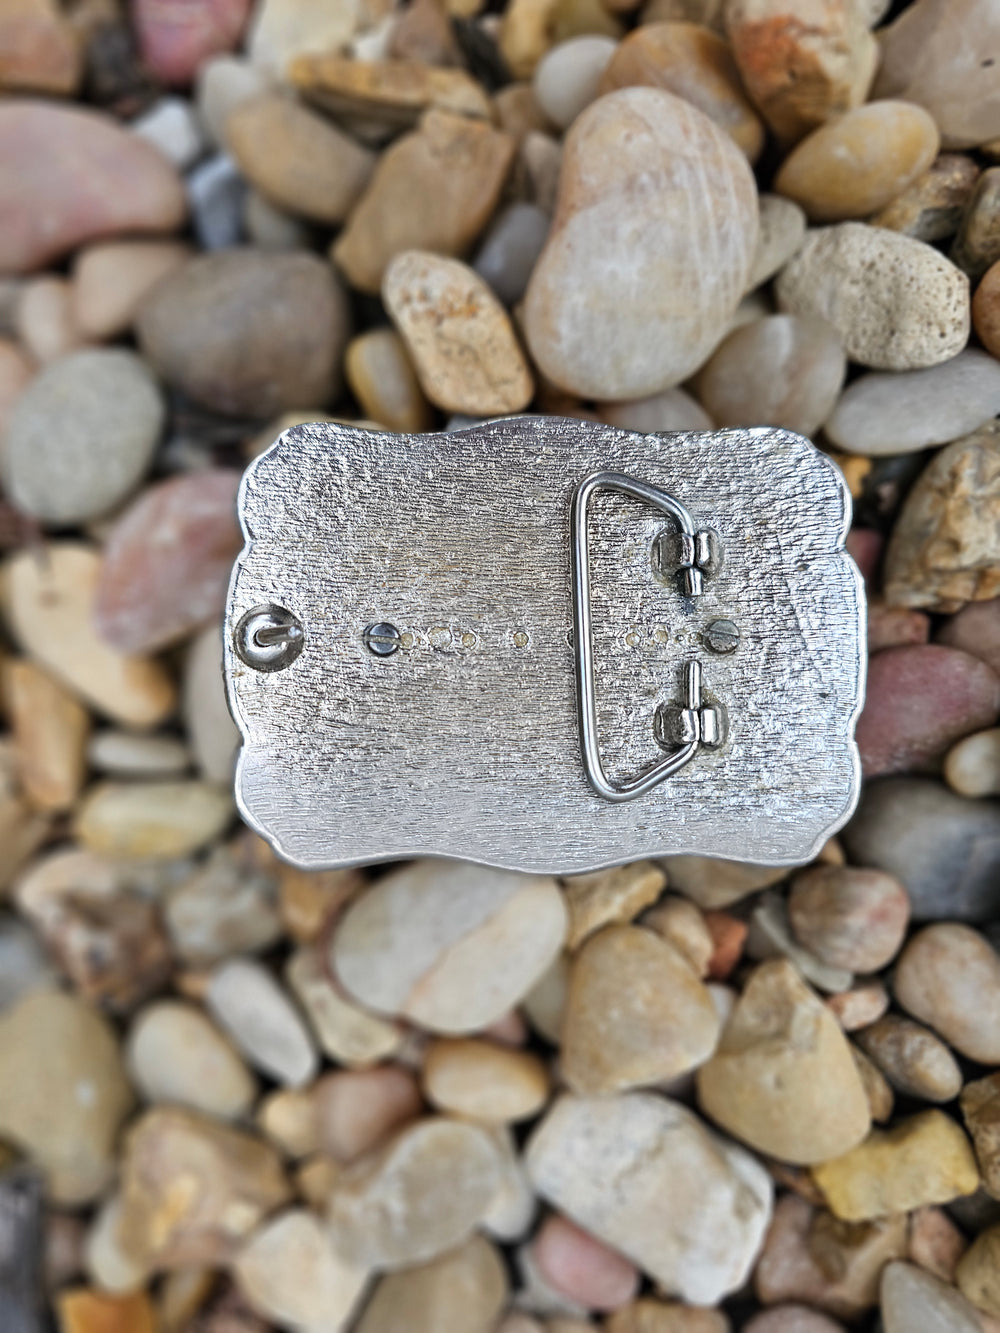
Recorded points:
(544, 644)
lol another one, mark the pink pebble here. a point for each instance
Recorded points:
(865, 545)
(358, 1108)
(177, 36)
(509, 1029)
(581, 1268)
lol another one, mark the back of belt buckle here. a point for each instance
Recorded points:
(545, 645)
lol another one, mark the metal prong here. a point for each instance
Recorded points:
(268, 638)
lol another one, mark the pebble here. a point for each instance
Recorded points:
(986, 309)
(222, 84)
(944, 550)
(662, 1025)
(942, 847)
(347, 1032)
(381, 377)
(935, 1242)
(782, 370)
(801, 63)
(922, 1159)
(895, 626)
(914, 1301)
(174, 1053)
(81, 436)
(858, 1007)
(568, 76)
(885, 413)
(226, 905)
(711, 882)
(539, 160)
(948, 976)
(728, 934)
(977, 245)
(65, 1094)
(580, 1268)
(167, 561)
(972, 765)
(608, 897)
(782, 231)
(256, 1012)
(123, 754)
(927, 58)
(106, 1261)
(433, 189)
(174, 42)
(48, 732)
(977, 1273)
(195, 330)
(84, 1311)
(216, 193)
(859, 162)
(171, 126)
(980, 1105)
(24, 966)
(770, 936)
(683, 926)
(47, 601)
(653, 1316)
(914, 1061)
(461, 1292)
(40, 51)
(458, 335)
(896, 303)
(610, 322)
(510, 249)
(212, 733)
(112, 278)
(290, 1272)
(976, 630)
(931, 208)
(673, 409)
(849, 917)
(878, 1090)
(545, 1004)
(645, 1176)
(193, 1189)
(99, 180)
(451, 947)
(423, 1195)
(16, 371)
(792, 1319)
(390, 92)
(283, 29)
(693, 63)
(479, 1080)
(45, 323)
(155, 820)
(920, 699)
(782, 1077)
(810, 1256)
(357, 1110)
(270, 228)
(298, 160)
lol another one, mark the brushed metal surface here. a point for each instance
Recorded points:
(465, 742)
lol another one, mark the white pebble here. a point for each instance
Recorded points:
(171, 125)
(568, 76)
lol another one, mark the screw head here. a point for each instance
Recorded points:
(721, 636)
(268, 638)
(382, 639)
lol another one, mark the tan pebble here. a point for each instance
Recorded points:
(606, 897)
(878, 1090)
(915, 1062)
(896, 303)
(576, 18)
(347, 1032)
(315, 1179)
(972, 765)
(49, 730)
(770, 936)
(694, 63)
(485, 1082)
(923, 1159)
(41, 49)
(424, 34)
(84, 1311)
(109, 1263)
(517, 110)
(127, 754)
(683, 925)
(357, 1110)
(434, 189)
(783, 1078)
(948, 976)
(980, 1103)
(986, 309)
(709, 13)
(309, 900)
(540, 159)
(545, 1003)
(289, 1271)
(46, 319)
(381, 376)
(112, 278)
(181, 1296)
(663, 1025)
(801, 62)
(601, 314)
(978, 1272)
(935, 1242)
(393, 91)
(913, 1301)
(283, 29)
(525, 35)
(224, 906)
(931, 208)
(160, 820)
(895, 626)
(782, 370)
(653, 1316)
(858, 1007)
(567, 78)
(461, 1292)
(792, 1319)
(290, 1119)
(420, 1197)
(848, 917)
(299, 160)
(782, 231)
(47, 598)
(176, 1054)
(254, 1009)
(458, 335)
(673, 409)
(860, 161)
(713, 883)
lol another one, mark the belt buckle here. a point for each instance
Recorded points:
(544, 644)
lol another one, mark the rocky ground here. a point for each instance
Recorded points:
(686, 1097)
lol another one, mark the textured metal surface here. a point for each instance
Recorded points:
(465, 742)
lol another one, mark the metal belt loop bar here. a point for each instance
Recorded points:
(691, 539)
